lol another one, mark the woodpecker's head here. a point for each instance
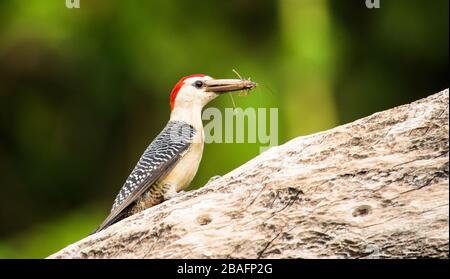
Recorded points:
(195, 91)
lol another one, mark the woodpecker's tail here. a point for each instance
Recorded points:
(116, 219)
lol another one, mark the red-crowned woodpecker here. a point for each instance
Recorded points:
(171, 161)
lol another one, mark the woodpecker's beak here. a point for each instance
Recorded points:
(221, 86)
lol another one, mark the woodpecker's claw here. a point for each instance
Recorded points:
(220, 86)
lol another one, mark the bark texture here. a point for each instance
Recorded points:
(374, 188)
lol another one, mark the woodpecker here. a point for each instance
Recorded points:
(171, 161)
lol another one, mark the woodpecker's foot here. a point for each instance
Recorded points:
(213, 178)
(179, 194)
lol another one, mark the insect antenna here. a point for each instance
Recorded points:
(245, 92)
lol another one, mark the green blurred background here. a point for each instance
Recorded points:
(84, 91)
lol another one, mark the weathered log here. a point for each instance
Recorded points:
(374, 188)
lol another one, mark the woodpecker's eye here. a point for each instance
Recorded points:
(198, 84)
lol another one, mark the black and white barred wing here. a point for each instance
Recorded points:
(158, 159)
